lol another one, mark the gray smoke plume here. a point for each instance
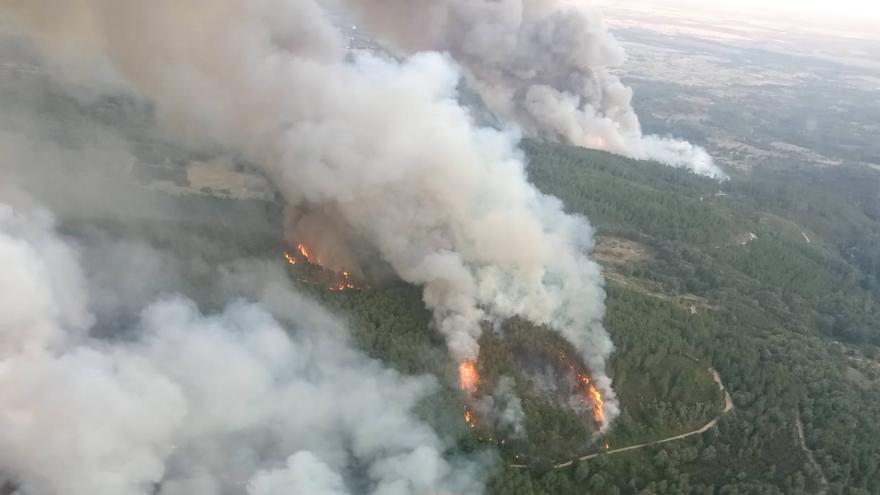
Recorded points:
(261, 398)
(510, 411)
(381, 146)
(504, 408)
(544, 64)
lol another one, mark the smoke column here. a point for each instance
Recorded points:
(381, 143)
(234, 402)
(541, 63)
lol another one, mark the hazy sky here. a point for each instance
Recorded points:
(843, 8)
(861, 10)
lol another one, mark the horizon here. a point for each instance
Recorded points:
(857, 12)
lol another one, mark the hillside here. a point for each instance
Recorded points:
(355, 247)
(698, 274)
(762, 278)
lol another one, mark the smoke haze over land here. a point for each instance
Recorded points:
(197, 403)
(545, 64)
(115, 383)
(382, 144)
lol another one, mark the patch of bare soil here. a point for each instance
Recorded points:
(618, 251)
(691, 302)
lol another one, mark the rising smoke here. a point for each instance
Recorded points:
(504, 408)
(215, 403)
(544, 64)
(263, 398)
(382, 144)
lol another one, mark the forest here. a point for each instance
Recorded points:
(770, 279)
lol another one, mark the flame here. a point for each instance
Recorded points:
(468, 379)
(591, 393)
(469, 417)
(304, 251)
(345, 283)
(598, 404)
(468, 376)
(595, 397)
(338, 280)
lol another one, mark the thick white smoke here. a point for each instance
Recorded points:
(382, 144)
(544, 64)
(43, 303)
(504, 409)
(197, 404)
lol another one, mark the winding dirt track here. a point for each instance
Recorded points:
(728, 406)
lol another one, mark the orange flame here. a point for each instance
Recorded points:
(592, 393)
(469, 417)
(339, 281)
(345, 283)
(468, 376)
(598, 404)
(304, 251)
(595, 397)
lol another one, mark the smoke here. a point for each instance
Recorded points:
(545, 64)
(380, 146)
(267, 397)
(504, 408)
(304, 474)
(511, 415)
(31, 314)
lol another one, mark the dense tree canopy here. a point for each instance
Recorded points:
(770, 279)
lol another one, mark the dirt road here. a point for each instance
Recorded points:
(728, 406)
